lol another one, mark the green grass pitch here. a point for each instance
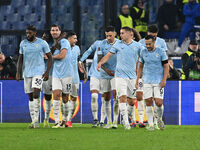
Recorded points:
(16, 136)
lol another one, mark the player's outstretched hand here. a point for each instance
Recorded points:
(18, 76)
(98, 66)
(85, 77)
(162, 83)
(81, 67)
(45, 76)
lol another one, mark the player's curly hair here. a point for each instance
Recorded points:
(136, 35)
(32, 28)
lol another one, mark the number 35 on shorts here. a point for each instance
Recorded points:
(69, 87)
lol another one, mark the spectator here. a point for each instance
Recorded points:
(180, 4)
(7, 67)
(193, 66)
(193, 47)
(124, 19)
(174, 74)
(167, 16)
(189, 11)
(140, 17)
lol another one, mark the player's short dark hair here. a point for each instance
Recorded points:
(128, 29)
(56, 25)
(110, 29)
(32, 28)
(148, 37)
(1, 53)
(153, 28)
(70, 34)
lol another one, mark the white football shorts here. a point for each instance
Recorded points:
(125, 86)
(32, 82)
(153, 90)
(63, 84)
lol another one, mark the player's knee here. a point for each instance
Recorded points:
(36, 95)
(94, 97)
(30, 96)
(65, 97)
(56, 95)
(131, 102)
(123, 99)
(158, 103)
(94, 91)
(47, 97)
(73, 98)
(148, 102)
(107, 96)
(139, 96)
(114, 94)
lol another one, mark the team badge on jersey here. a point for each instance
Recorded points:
(157, 54)
(36, 45)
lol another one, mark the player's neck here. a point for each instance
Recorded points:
(128, 41)
(34, 39)
(113, 42)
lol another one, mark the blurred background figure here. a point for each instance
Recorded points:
(193, 48)
(7, 67)
(189, 11)
(140, 17)
(174, 74)
(167, 17)
(193, 66)
(124, 19)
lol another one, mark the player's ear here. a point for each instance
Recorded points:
(115, 33)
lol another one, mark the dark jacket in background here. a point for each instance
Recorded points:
(9, 69)
(174, 74)
(168, 14)
(191, 65)
(184, 59)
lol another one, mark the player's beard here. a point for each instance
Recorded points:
(150, 48)
(30, 39)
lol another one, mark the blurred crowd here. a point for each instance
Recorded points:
(179, 15)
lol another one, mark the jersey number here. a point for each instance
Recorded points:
(69, 86)
(38, 82)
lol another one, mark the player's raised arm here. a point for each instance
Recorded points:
(104, 60)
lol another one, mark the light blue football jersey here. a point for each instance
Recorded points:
(75, 55)
(127, 56)
(112, 62)
(62, 68)
(159, 43)
(33, 56)
(93, 48)
(153, 69)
